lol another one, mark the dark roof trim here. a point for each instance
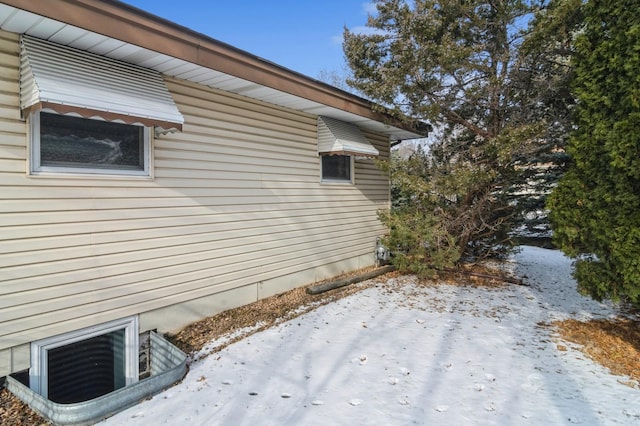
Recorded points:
(123, 22)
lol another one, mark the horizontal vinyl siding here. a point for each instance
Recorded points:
(12, 129)
(236, 200)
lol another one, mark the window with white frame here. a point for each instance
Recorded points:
(70, 144)
(87, 363)
(337, 168)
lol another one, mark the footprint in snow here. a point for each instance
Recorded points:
(441, 408)
(447, 367)
(631, 413)
(534, 383)
(355, 402)
(393, 380)
(317, 402)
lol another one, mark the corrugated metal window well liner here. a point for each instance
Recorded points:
(168, 365)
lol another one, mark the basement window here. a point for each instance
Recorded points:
(68, 144)
(87, 363)
(91, 114)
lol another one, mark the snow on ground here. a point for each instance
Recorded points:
(400, 354)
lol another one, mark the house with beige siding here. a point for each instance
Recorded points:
(151, 176)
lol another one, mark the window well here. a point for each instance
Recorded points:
(80, 370)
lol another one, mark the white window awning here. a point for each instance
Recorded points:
(336, 137)
(69, 80)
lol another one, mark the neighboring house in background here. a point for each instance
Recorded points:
(151, 176)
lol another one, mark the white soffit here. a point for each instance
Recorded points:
(63, 79)
(336, 137)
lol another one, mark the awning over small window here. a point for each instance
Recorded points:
(68, 80)
(336, 137)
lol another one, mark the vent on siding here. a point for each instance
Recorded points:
(336, 137)
(69, 80)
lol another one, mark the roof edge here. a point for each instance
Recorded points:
(129, 24)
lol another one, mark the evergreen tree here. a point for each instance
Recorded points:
(595, 210)
(462, 66)
(543, 84)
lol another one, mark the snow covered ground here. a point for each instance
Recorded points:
(401, 354)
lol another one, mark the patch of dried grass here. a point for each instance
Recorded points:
(262, 314)
(613, 343)
(14, 412)
(266, 312)
(473, 274)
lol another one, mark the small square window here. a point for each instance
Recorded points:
(337, 168)
(86, 364)
(67, 144)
